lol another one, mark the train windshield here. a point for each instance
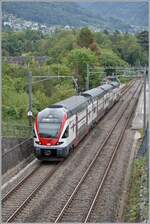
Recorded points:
(49, 129)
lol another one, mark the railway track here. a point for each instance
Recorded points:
(74, 209)
(22, 193)
(127, 87)
(16, 199)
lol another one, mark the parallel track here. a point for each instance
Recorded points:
(68, 209)
(11, 191)
(19, 184)
(101, 184)
(15, 200)
(127, 87)
(13, 212)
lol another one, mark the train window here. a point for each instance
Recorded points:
(49, 129)
(66, 133)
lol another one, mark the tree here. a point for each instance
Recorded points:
(127, 47)
(60, 69)
(62, 91)
(143, 39)
(61, 46)
(103, 40)
(109, 58)
(78, 60)
(85, 37)
(43, 46)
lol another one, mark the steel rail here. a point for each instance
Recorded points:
(19, 184)
(44, 180)
(126, 88)
(99, 149)
(9, 193)
(38, 186)
(109, 165)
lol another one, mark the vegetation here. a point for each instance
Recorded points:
(68, 54)
(137, 204)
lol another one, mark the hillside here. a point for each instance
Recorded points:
(133, 13)
(122, 16)
(51, 13)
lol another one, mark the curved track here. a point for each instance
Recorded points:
(74, 211)
(16, 199)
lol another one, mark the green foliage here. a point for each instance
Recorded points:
(103, 40)
(82, 56)
(16, 43)
(40, 101)
(85, 37)
(61, 92)
(43, 46)
(10, 111)
(128, 48)
(143, 40)
(124, 80)
(78, 60)
(60, 69)
(15, 100)
(64, 43)
(109, 58)
(138, 192)
(68, 53)
(131, 48)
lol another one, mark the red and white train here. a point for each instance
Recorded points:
(60, 127)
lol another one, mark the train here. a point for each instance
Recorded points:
(60, 127)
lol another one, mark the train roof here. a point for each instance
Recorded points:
(96, 92)
(48, 113)
(106, 87)
(72, 104)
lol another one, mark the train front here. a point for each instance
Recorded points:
(50, 124)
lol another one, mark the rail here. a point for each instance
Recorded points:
(100, 148)
(21, 206)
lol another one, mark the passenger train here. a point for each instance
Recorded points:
(60, 127)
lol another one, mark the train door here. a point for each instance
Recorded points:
(100, 104)
(72, 128)
(115, 94)
(89, 114)
(111, 98)
(108, 99)
(81, 119)
(94, 111)
(105, 101)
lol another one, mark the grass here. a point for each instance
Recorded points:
(124, 80)
(137, 204)
(141, 130)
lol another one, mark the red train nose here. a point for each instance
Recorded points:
(48, 142)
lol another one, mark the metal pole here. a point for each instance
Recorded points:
(58, 70)
(144, 115)
(48, 70)
(76, 84)
(30, 98)
(87, 77)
